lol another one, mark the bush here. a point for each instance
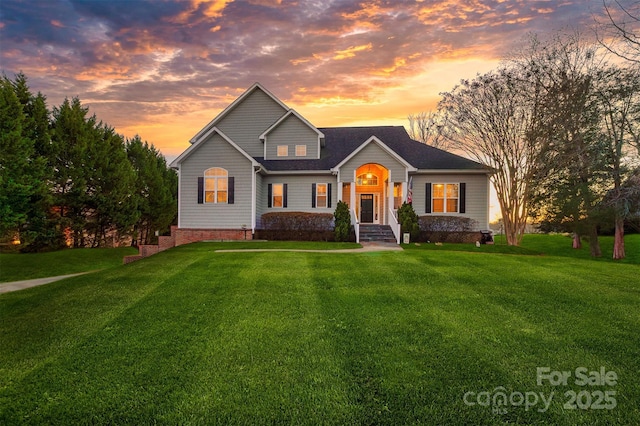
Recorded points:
(448, 229)
(342, 220)
(447, 224)
(408, 221)
(297, 221)
(294, 235)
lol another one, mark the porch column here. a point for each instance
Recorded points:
(352, 201)
(390, 196)
(340, 189)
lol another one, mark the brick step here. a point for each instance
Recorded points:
(377, 233)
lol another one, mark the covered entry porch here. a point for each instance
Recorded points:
(373, 181)
(373, 198)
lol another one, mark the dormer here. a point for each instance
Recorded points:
(292, 137)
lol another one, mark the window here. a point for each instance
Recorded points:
(346, 194)
(301, 150)
(283, 150)
(277, 195)
(367, 179)
(321, 195)
(445, 198)
(397, 195)
(216, 183)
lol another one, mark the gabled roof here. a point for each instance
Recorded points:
(284, 117)
(341, 142)
(232, 106)
(175, 163)
(374, 140)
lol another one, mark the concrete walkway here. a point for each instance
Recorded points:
(366, 247)
(20, 285)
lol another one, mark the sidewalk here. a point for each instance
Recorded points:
(366, 247)
(20, 285)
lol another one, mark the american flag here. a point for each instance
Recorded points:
(410, 191)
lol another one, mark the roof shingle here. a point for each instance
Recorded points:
(342, 141)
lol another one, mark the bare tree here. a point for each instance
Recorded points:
(571, 178)
(618, 30)
(429, 128)
(490, 119)
(619, 100)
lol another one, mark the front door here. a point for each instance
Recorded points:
(366, 208)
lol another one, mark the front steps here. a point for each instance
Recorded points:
(377, 233)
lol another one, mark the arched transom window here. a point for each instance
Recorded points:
(367, 179)
(216, 186)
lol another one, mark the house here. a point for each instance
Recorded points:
(259, 156)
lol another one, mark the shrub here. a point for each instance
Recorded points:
(408, 221)
(342, 220)
(297, 221)
(447, 224)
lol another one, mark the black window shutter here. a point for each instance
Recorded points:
(231, 190)
(200, 190)
(313, 195)
(427, 198)
(329, 195)
(269, 195)
(463, 197)
(284, 195)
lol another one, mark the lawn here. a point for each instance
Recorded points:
(191, 336)
(16, 267)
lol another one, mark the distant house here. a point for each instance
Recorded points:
(259, 156)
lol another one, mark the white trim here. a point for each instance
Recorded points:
(175, 163)
(198, 136)
(179, 196)
(374, 139)
(452, 171)
(254, 196)
(296, 172)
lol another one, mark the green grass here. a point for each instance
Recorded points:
(545, 245)
(16, 267)
(190, 336)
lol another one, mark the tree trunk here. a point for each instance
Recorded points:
(594, 243)
(577, 242)
(618, 242)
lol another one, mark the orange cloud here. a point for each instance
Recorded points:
(351, 51)
(212, 9)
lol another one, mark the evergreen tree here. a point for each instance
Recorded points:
(155, 189)
(16, 153)
(111, 206)
(71, 138)
(40, 230)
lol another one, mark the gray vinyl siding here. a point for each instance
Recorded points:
(373, 153)
(291, 132)
(299, 192)
(215, 152)
(249, 119)
(477, 195)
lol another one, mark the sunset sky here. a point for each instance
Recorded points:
(164, 69)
